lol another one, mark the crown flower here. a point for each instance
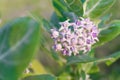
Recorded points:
(73, 37)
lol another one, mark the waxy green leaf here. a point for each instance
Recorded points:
(40, 77)
(96, 8)
(110, 33)
(75, 6)
(18, 42)
(87, 59)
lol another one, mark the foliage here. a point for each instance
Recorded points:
(22, 37)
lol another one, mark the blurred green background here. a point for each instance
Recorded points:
(10, 9)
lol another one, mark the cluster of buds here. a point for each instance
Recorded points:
(73, 37)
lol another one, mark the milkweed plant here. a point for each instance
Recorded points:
(66, 43)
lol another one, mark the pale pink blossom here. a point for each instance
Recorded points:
(73, 37)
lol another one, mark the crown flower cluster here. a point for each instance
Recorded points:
(73, 37)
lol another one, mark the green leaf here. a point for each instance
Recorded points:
(46, 41)
(83, 1)
(109, 33)
(104, 20)
(87, 59)
(80, 59)
(59, 7)
(40, 77)
(83, 75)
(18, 42)
(55, 20)
(94, 69)
(75, 6)
(67, 15)
(115, 56)
(67, 8)
(47, 25)
(71, 15)
(110, 62)
(96, 8)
